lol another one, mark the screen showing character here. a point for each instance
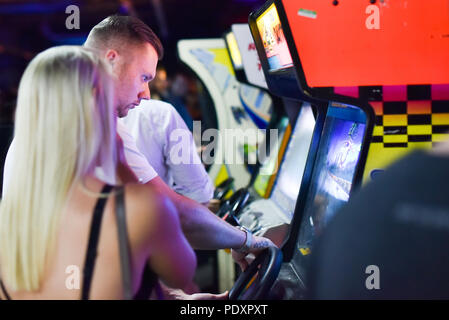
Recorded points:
(290, 174)
(333, 172)
(273, 39)
(234, 51)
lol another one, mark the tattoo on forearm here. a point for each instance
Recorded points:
(261, 244)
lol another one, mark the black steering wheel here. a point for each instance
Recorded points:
(223, 188)
(231, 208)
(255, 282)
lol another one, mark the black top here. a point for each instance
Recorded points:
(149, 278)
(391, 241)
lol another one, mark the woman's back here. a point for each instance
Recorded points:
(153, 232)
(65, 128)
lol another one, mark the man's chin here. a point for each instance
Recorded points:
(123, 112)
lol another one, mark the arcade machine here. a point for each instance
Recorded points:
(258, 105)
(263, 216)
(283, 173)
(248, 71)
(392, 55)
(256, 102)
(210, 61)
(375, 66)
(279, 177)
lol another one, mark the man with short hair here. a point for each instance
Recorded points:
(154, 126)
(133, 50)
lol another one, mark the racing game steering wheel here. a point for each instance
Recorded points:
(231, 208)
(223, 188)
(258, 278)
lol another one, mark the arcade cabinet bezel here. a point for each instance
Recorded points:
(278, 110)
(245, 69)
(281, 82)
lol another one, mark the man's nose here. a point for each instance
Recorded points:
(145, 93)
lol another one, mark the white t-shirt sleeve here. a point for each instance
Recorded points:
(189, 175)
(136, 161)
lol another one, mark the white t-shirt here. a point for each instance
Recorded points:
(135, 159)
(162, 136)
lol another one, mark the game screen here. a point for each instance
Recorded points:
(234, 51)
(273, 39)
(269, 167)
(292, 167)
(333, 172)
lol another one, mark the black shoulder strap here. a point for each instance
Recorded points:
(5, 293)
(91, 254)
(125, 259)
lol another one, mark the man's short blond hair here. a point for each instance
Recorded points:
(116, 32)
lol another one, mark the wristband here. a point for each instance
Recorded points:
(248, 242)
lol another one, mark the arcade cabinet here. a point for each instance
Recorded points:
(334, 166)
(248, 71)
(372, 63)
(249, 207)
(228, 152)
(210, 61)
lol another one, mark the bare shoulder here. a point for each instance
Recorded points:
(146, 197)
(149, 211)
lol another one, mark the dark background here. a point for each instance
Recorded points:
(28, 27)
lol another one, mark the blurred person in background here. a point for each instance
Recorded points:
(177, 97)
(160, 85)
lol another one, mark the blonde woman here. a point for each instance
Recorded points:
(58, 229)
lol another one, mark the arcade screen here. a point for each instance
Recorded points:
(234, 51)
(290, 173)
(333, 173)
(269, 167)
(273, 39)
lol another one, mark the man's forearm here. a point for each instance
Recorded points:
(204, 230)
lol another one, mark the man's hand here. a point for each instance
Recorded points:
(178, 294)
(259, 243)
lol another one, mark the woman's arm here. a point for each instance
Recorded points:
(169, 253)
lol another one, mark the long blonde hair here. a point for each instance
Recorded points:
(64, 128)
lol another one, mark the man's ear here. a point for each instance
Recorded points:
(111, 56)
